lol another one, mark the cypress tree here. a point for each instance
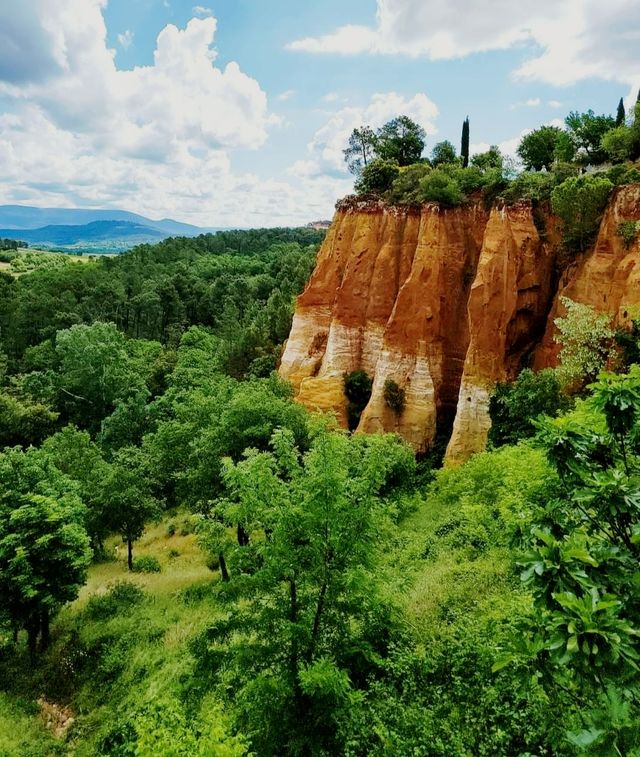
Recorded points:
(620, 116)
(464, 147)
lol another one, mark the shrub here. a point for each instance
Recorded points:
(628, 232)
(618, 143)
(530, 186)
(405, 189)
(623, 173)
(357, 389)
(440, 186)
(514, 406)
(394, 396)
(377, 177)
(171, 529)
(120, 598)
(579, 202)
(146, 564)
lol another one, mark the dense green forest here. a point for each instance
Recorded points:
(191, 564)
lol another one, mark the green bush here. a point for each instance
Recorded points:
(628, 232)
(119, 599)
(377, 177)
(580, 202)
(357, 389)
(146, 564)
(514, 406)
(394, 396)
(405, 189)
(440, 186)
(623, 173)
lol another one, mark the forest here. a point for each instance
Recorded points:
(193, 564)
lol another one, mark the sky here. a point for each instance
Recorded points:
(236, 112)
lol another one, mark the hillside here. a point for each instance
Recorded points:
(96, 231)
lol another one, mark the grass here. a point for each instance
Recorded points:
(22, 730)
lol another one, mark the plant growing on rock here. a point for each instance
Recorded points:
(394, 396)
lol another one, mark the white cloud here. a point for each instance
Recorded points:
(286, 95)
(125, 39)
(327, 144)
(532, 102)
(575, 39)
(554, 103)
(331, 97)
(201, 10)
(158, 139)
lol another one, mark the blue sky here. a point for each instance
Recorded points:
(234, 112)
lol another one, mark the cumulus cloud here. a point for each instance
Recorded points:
(201, 10)
(125, 40)
(286, 95)
(157, 139)
(576, 39)
(325, 148)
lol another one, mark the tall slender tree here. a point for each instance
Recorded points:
(620, 115)
(464, 147)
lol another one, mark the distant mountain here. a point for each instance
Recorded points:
(28, 217)
(96, 231)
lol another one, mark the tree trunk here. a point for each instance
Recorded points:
(243, 536)
(294, 653)
(33, 628)
(223, 567)
(316, 621)
(130, 554)
(45, 638)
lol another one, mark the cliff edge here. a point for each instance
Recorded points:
(446, 302)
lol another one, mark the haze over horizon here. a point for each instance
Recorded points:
(237, 114)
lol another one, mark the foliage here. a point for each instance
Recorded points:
(405, 189)
(440, 186)
(580, 202)
(537, 149)
(357, 389)
(315, 524)
(585, 338)
(377, 176)
(620, 113)
(514, 407)
(146, 564)
(586, 131)
(44, 549)
(464, 143)
(618, 143)
(401, 140)
(443, 152)
(491, 158)
(581, 565)
(361, 149)
(394, 396)
(120, 598)
(628, 232)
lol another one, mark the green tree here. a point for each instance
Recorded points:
(357, 389)
(537, 149)
(377, 177)
(316, 605)
(443, 152)
(441, 185)
(581, 565)
(620, 114)
(401, 140)
(587, 131)
(579, 202)
(361, 149)
(514, 407)
(126, 498)
(485, 161)
(464, 143)
(585, 338)
(44, 548)
(618, 143)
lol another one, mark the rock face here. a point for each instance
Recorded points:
(444, 303)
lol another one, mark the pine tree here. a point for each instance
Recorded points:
(464, 148)
(621, 115)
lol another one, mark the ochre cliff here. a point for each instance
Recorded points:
(445, 303)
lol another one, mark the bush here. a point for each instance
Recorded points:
(146, 564)
(120, 598)
(580, 202)
(405, 189)
(440, 186)
(394, 396)
(357, 389)
(377, 177)
(628, 232)
(618, 143)
(624, 173)
(514, 406)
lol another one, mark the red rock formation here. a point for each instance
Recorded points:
(445, 303)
